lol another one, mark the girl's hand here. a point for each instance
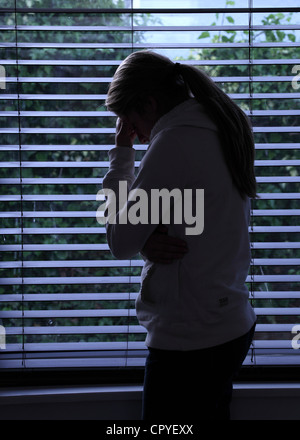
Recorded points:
(162, 248)
(125, 133)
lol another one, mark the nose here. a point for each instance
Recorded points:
(143, 140)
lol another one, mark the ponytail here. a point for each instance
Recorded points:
(145, 73)
(235, 130)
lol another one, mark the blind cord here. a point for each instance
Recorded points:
(250, 71)
(130, 261)
(21, 183)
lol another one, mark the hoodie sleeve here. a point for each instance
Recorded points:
(132, 221)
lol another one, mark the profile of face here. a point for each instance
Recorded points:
(143, 123)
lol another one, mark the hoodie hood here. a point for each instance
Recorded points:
(188, 113)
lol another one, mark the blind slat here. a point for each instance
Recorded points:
(152, 28)
(75, 330)
(95, 97)
(150, 45)
(126, 263)
(123, 296)
(27, 314)
(222, 62)
(105, 164)
(115, 296)
(92, 214)
(128, 279)
(94, 147)
(78, 346)
(92, 197)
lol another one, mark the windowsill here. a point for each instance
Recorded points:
(251, 401)
(69, 393)
(125, 392)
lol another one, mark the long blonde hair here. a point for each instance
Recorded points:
(145, 73)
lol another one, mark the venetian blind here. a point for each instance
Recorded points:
(64, 300)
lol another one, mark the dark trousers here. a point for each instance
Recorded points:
(193, 385)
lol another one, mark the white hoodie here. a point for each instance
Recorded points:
(200, 300)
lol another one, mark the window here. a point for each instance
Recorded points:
(65, 302)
